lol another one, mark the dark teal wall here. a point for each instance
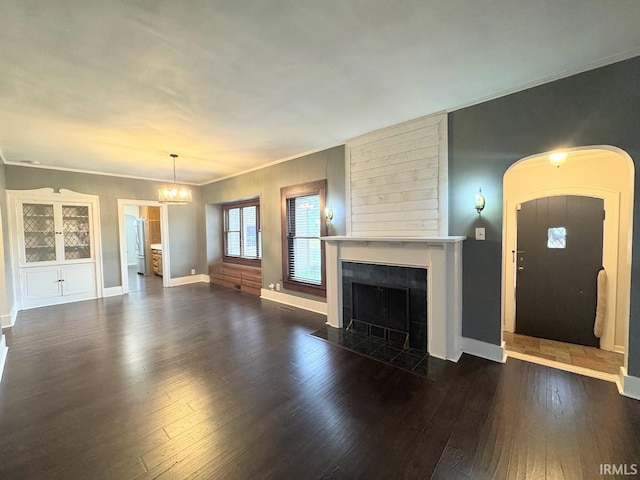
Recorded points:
(599, 107)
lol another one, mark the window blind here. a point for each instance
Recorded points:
(303, 225)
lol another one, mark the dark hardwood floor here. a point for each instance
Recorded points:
(203, 382)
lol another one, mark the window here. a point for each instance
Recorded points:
(242, 236)
(557, 237)
(302, 226)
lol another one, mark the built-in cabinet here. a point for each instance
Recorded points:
(55, 246)
(245, 278)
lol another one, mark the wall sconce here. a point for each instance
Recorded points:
(328, 214)
(557, 158)
(480, 202)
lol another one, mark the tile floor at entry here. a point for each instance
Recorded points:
(576, 355)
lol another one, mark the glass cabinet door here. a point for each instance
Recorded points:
(39, 232)
(75, 232)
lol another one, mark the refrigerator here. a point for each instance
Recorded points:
(141, 246)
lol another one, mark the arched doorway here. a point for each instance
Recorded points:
(603, 172)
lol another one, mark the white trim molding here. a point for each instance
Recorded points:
(164, 234)
(176, 282)
(293, 301)
(9, 320)
(619, 349)
(629, 385)
(482, 349)
(4, 350)
(112, 291)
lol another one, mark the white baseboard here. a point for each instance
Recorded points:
(483, 349)
(619, 349)
(112, 291)
(9, 319)
(629, 386)
(292, 300)
(3, 354)
(175, 282)
(455, 357)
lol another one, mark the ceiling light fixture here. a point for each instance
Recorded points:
(174, 194)
(557, 158)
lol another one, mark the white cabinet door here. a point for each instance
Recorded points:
(39, 285)
(75, 232)
(79, 279)
(37, 226)
(55, 232)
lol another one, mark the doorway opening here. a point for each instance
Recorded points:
(144, 245)
(599, 175)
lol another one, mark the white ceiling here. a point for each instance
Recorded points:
(114, 86)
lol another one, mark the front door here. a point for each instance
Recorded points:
(558, 257)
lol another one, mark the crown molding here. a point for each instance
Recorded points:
(274, 162)
(552, 78)
(92, 172)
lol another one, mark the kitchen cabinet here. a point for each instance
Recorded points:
(156, 261)
(152, 215)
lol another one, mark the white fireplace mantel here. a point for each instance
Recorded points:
(441, 256)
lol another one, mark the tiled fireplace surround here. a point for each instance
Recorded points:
(440, 256)
(407, 279)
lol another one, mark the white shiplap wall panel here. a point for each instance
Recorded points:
(396, 197)
(394, 159)
(395, 178)
(392, 149)
(406, 176)
(424, 134)
(392, 207)
(392, 169)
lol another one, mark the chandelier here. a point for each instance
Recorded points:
(174, 194)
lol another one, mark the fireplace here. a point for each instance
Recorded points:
(380, 311)
(385, 301)
(429, 268)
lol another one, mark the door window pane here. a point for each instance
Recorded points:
(557, 237)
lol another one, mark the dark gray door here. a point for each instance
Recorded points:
(558, 258)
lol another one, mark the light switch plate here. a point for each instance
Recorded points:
(480, 233)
